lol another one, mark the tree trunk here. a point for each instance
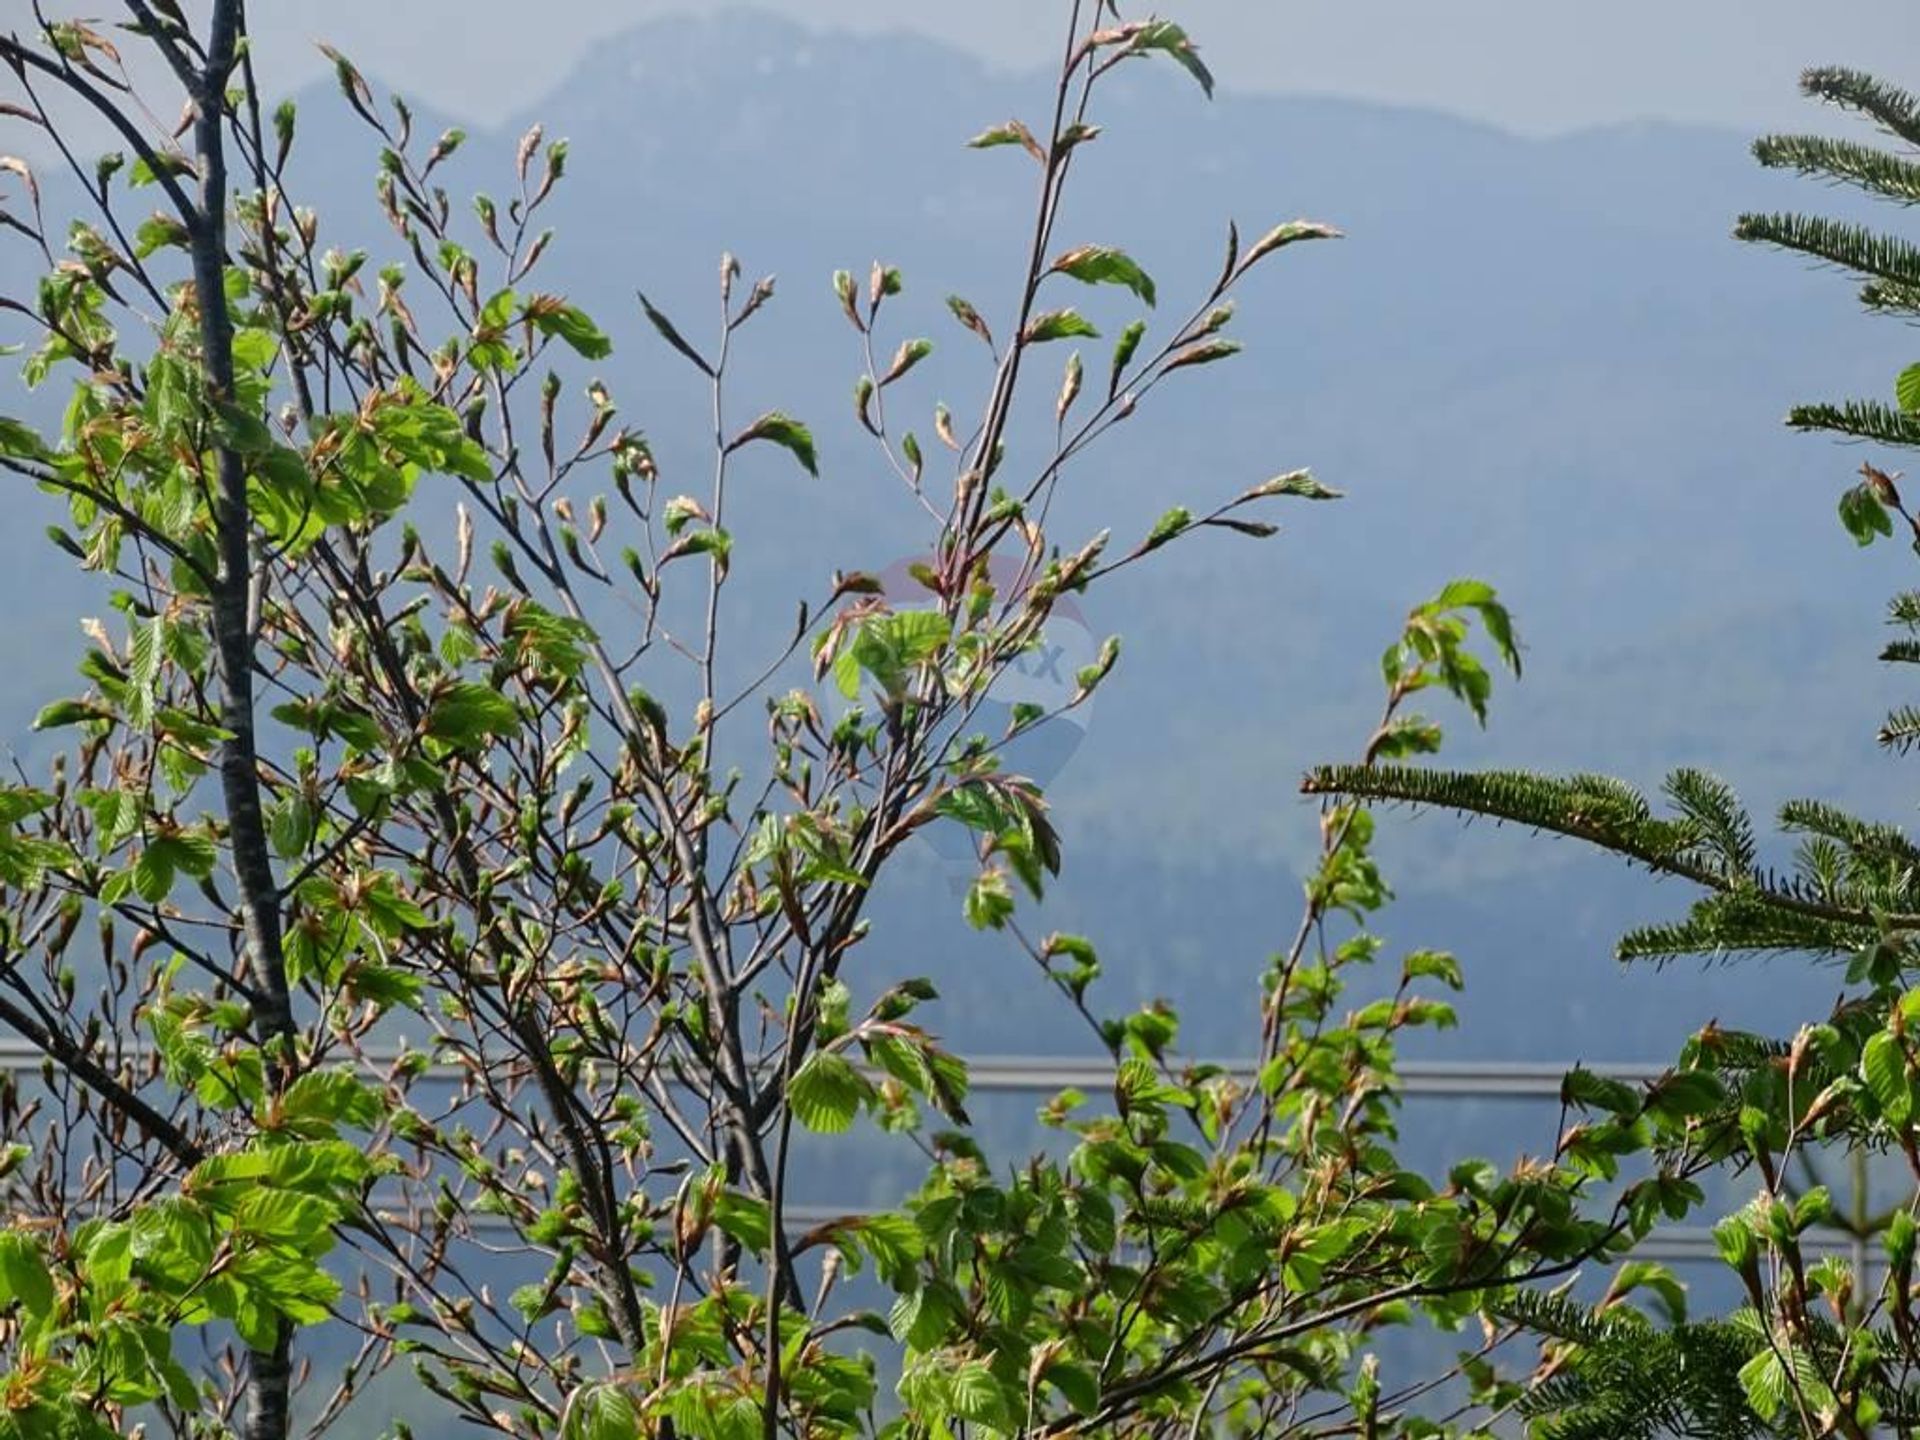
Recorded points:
(269, 1369)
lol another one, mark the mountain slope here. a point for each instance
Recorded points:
(1541, 361)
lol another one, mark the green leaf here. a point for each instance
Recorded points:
(1290, 233)
(784, 431)
(68, 712)
(715, 543)
(23, 1274)
(1906, 389)
(1299, 483)
(1863, 515)
(1077, 1385)
(1174, 522)
(147, 171)
(910, 354)
(1434, 964)
(1686, 1093)
(553, 316)
(1057, 325)
(889, 647)
(330, 1098)
(290, 827)
(153, 874)
(1103, 265)
(1123, 353)
(846, 674)
(382, 985)
(1764, 1378)
(746, 1218)
(1883, 1066)
(285, 1218)
(1205, 353)
(20, 441)
(978, 1398)
(674, 338)
(600, 1412)
(530, 1301)
(1014, 132)
(467, 713)
(826, 1093)
(1169, 39)
(975, 806)
(158, 232)
(989, 903)
(498, 310)
(964, 312)
(1899, 1237)
(1583, 1087)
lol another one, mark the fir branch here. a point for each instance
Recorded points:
(1734, 924)
(1889, 297)
(1847, 161)
(1897, 111)
(1579, 810)
(1710, 804)
(1900, 731)
(1817, 817)
(1639, 1383)
(1861, 420)
(1555, 1315)
(1837, 242)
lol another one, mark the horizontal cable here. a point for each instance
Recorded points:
(1441, 1079)
(1463, 1079)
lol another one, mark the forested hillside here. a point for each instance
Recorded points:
(1539, 360)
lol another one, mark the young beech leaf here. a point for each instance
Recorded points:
(910, 354)
(467, 713)
(1281, 235)
(1057, 325)
(67, 712)
(1205, 353)
(553, 316)
(1169, 525)
(20, 441)
(1014, 132)
(1069, 388)
(1257, 529)
(1103, 265)
(784, 431)
(1906, 389)
(600, 1412)
(843, 287)
(1123, 353)
(1863, 515)
(964, 312)
(1147, 36)
(1298, 483)
(23, 1274)
(673, 337)
(826, 1093)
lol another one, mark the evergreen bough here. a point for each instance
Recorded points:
(1819, 1347)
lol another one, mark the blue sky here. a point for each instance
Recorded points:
(1536, 66)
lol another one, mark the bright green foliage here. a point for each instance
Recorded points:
(1820, 1347)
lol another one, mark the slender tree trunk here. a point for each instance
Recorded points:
(269, 1369)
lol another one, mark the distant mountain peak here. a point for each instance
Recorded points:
(730, 41)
